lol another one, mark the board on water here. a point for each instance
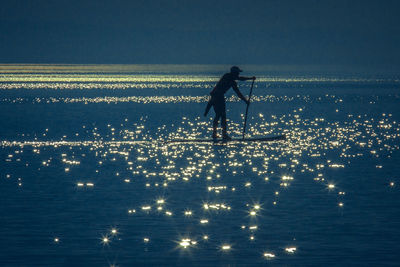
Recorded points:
(236, 140)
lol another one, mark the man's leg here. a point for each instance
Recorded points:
(215, 125)
(218, 108)
(224, 123)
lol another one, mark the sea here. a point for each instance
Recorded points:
(90, 175)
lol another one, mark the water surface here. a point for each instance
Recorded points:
(87, 178)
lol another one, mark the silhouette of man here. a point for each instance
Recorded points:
(217, 99)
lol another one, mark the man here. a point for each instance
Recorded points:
(217, 99)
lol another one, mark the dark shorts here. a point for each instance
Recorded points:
(218, 103)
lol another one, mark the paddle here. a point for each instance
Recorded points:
(247, 109)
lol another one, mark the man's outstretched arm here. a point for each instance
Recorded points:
(246, 78)
(239, 94)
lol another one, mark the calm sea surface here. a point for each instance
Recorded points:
(86, 178)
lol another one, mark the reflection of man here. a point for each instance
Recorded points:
(217, 99)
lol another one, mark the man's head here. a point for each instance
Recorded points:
(235, 70)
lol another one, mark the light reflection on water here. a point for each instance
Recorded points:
(138, 195)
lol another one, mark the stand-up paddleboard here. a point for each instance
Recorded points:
(233, 140)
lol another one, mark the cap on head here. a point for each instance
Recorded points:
(235, 69)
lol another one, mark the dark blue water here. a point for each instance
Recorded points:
(87, 179)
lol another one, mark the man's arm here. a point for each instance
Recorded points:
(239, 94)
(246, 78)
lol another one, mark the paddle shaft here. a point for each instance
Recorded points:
(247, 109)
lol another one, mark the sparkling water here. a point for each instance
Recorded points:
(87, 177)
